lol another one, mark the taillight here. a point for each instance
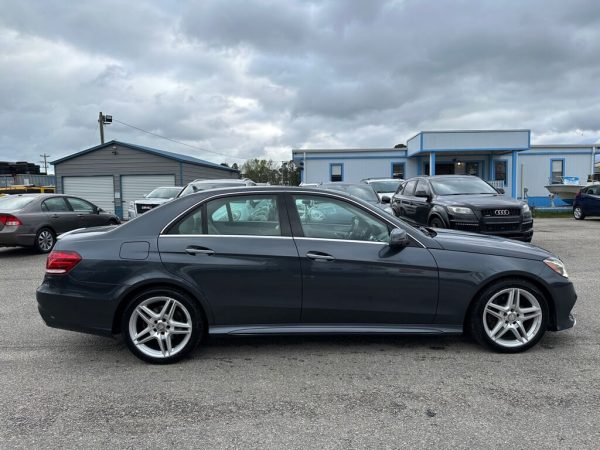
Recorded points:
(60, 262)
(578, 194)
(9, 220)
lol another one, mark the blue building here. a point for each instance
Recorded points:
(504, 158)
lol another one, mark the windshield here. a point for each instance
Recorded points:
(164, 192)
(13, 202)
(364, 192)
(197, 187)
(461, 185)
(385, 186)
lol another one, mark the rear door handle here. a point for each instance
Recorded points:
(319, 256)
(196, 250)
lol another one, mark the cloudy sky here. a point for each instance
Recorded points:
(255, 78)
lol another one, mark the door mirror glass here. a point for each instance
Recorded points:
(500, 190)
(399, 239)
(385, 199)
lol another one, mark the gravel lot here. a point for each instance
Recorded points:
(64, 389)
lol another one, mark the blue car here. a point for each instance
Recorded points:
(587, 202)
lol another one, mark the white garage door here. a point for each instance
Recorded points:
(98, 190)
(136, 186)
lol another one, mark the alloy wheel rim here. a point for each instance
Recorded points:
(160, 327)
(577, 212)
(512, 317)
(45, 240)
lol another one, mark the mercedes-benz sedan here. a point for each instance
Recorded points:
(256, 260)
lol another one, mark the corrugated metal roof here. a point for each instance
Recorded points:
(165, 154)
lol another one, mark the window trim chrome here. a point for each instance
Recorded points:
(322, 193)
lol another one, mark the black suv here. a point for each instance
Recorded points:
(462, 202)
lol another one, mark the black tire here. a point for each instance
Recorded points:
(158, 328)
(477, 322)
(113, 222)
(436, 222)
(45, 239)
(578, 213)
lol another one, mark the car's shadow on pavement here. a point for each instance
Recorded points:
(18, 252)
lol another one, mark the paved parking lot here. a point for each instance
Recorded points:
(65, 389)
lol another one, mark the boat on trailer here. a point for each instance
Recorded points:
(566, 188)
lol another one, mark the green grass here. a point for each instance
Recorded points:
(552, 214)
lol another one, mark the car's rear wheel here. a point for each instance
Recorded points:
(510, 316)
(578, 213)
(161, 326)
(44, 240)
(436, 222)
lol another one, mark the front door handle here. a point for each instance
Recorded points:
(54, 216)
(196, 250)
(319, 256)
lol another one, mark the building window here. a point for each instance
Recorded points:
(398, 170)
(336, 172)
(557, 170)
(500, 171)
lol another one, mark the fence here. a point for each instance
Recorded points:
(27, 179)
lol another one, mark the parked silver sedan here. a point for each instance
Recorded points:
(35, 220)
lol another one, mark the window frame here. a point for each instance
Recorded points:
(400, 163)
(563, 166)
(331, 165)
(416, 181)
(504, 162)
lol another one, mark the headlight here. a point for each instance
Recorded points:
(460, 210)
(557, 265)
(526, 208)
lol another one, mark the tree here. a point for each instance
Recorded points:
(263, 171)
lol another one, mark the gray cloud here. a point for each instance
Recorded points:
(258, 77)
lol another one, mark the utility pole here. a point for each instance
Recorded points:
(103, 120)
(44, 161)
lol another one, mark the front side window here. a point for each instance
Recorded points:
(558, 170)
(423, 188)
(337, 172)
(409, 187)
(79, 205)
(244, 215)
(327, 218)
(55, 204)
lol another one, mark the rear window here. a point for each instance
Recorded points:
(13, 203)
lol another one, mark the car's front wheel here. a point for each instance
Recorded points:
(510, 316)
(436, 222)
(578, 213)
(162, 326)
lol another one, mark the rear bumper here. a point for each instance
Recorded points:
(16, 239)
(88, 311)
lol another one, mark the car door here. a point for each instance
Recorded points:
(350, 274)
(238, 251)
(404, 203)
(59, 215)
(87, 214)
(592, 199)
(422, 202)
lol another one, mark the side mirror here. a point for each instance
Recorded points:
(386, 199)
(399, 239)
(500, 190)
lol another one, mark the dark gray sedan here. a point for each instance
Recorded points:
(257, 260)
(35, 220)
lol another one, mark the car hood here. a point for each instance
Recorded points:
(461, 241)
(480, 201)
(152, 201)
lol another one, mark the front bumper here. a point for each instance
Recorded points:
(564, 298)
(514, 229)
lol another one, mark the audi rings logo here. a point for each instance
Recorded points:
(501, 212)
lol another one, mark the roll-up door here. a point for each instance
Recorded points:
(135, 187)
(98, 190)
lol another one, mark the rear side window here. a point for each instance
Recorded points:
(190, 224)
(55, 204)
(248, 215)
(409, 187)
(13, 202)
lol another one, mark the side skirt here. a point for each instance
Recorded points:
(249, 330)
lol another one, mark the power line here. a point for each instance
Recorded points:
(177, 142)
